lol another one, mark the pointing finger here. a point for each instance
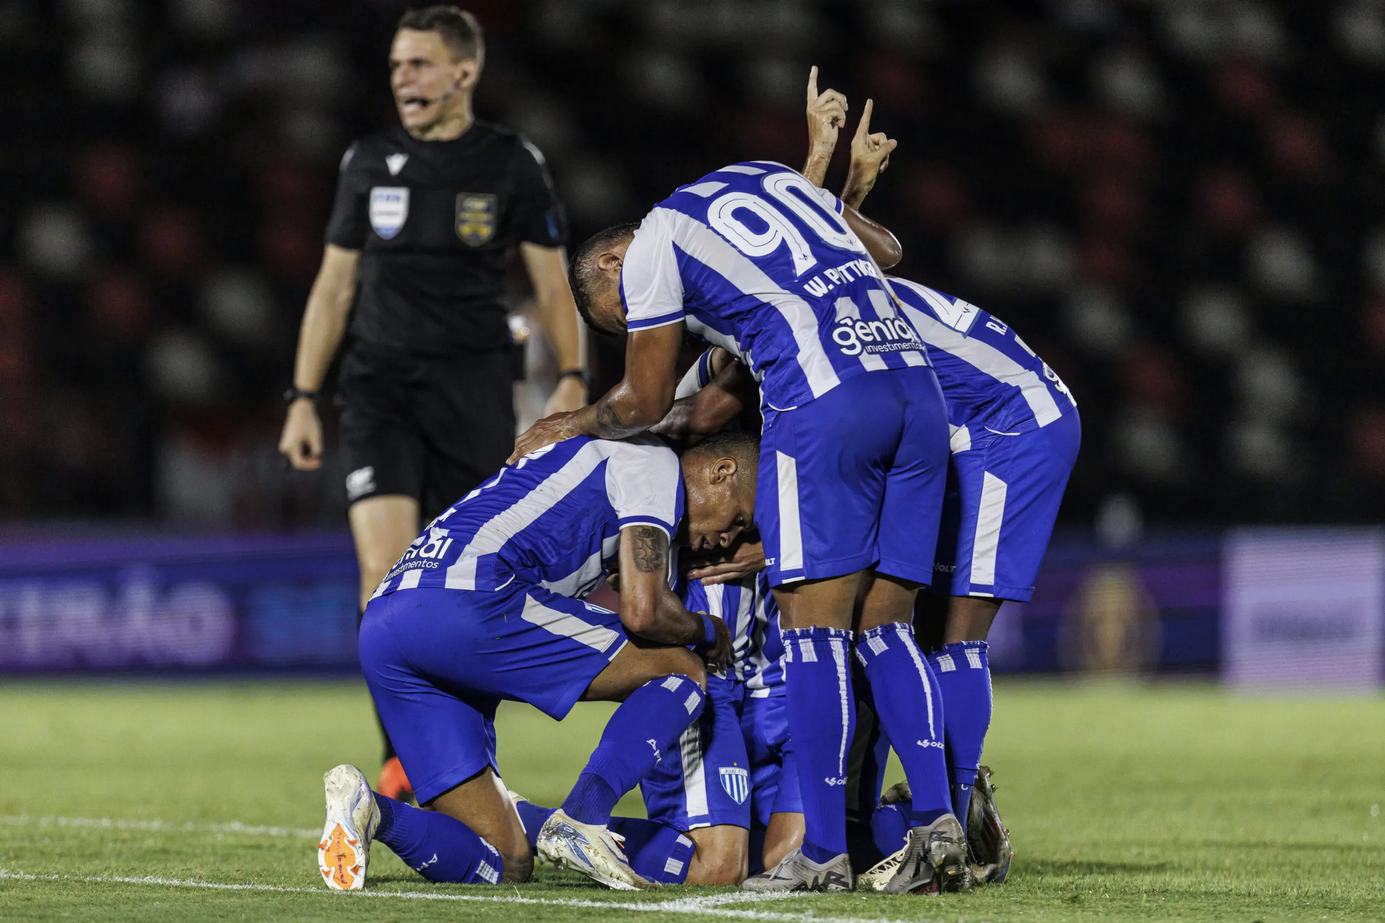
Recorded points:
(863, 129)
(813, 83)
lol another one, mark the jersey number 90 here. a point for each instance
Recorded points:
(786, 192)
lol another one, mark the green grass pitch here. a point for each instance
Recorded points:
(1127, 802)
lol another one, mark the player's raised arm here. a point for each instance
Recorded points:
(826, 116)
(649, 609)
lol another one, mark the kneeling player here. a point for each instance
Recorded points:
(487, 605)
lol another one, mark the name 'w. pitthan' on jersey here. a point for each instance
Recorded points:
(756, 259)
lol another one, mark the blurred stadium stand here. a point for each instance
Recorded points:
(1179, 205)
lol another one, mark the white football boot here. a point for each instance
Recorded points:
(796, 872)
(933, 860)
(590, 849)
(352, 816)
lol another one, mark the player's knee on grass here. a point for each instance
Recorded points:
(519, 866)
(722, 856)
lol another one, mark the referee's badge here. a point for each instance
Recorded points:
(736, 782)
(476, 215)
(389, 209)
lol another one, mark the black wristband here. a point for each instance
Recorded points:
(577, 373)
(293, 394)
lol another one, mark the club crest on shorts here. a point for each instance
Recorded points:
(476, 216)
(736, 782)
(389, 209)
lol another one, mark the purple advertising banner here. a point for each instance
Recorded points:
(288, 603)
(175, 604)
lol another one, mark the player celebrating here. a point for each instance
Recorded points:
(853, 458)
(424, 218)
(487, 605)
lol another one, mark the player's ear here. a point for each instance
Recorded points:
(723, 470)
(608, 261)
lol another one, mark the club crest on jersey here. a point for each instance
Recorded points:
(389, 209)
(476, 215)
(736, 782)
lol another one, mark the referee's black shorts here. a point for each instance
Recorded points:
(428, 428)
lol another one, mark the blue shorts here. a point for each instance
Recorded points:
(1003, 495)
(773, 772)
(854, 479)
(706, 782)
(438, 662)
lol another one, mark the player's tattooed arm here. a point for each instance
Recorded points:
(639, 401)
(647, 605)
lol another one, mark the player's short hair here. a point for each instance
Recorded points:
(460, 31)
(582, 272)
(742, 446)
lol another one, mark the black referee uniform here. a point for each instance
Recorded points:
(425, 389)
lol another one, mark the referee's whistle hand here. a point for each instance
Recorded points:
(543, 433)
(301, 442)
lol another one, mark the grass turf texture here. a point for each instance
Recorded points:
(1127, 802)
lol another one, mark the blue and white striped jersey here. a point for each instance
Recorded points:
(747, 607)
(552, 519)
(991, 379)
(756, 259)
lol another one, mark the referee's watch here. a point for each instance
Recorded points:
(293, 394)
(580, 374)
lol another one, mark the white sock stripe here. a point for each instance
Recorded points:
(807, 653)
(876, 643)
(694, 699)
(974, 658)
(906, 635)
(945, 663)
(673, 867)
(839, 656)
(672, 683)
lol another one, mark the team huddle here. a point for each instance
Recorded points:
(810, 530)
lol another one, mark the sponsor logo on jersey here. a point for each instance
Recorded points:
(396, 162)
(855, 336)
(476, 217)
(360, 482)
(389, 209)
(735, 781)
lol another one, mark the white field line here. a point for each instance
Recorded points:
(108, 823)
(696, 906)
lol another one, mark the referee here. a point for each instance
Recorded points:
(424, 219)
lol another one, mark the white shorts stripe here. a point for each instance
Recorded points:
(790, 531)
(597, 637)
(694, 785)
(988, 522)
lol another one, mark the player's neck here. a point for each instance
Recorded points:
(454, 123)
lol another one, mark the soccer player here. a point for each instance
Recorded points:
(853, 459)
(425, 216)
(487, 604)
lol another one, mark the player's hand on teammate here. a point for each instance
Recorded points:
(870, 154)
(719, 654)
(546, 432)
(742, 560)
(569, 395)
(301, 441)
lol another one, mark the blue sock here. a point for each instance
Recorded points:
(889, 828)
(647, 725)
(656, 851)
(532, 817)
(964, 675)
(438, 847)
(822, 721)
(910, 706)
